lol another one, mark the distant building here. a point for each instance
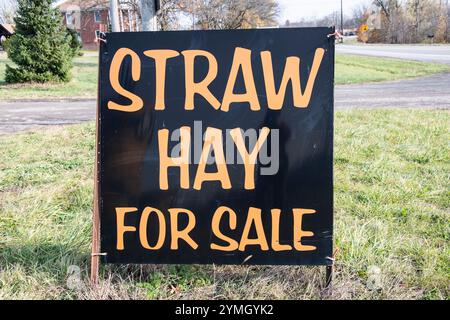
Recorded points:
(90, 17)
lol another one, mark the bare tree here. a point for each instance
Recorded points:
(387, 7)
(333, 19)
(392, 19)
(406, 21)
(131, 4)
(234, 14)
(134, 13)
(442, 23)
(359, 13)
(168, 15)
(416, 11)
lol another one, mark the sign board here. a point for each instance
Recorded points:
(216, 147)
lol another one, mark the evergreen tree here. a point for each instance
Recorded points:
(75, 43)
(40, 47)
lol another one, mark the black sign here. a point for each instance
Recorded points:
(217, 147)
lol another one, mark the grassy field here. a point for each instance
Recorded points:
(392, 222)
(349, 70)
(352, 69)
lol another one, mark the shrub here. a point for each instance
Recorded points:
(75, 43)
(40, 47)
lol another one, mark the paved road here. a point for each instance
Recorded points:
(426, 92)
(24, 115)
(436, 53)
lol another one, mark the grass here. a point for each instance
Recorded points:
(392, 200)
(349, 70)
(352, 69)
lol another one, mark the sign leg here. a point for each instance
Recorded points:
(95, 258)
(328, 276)
(328, 279)
(94, 269)
(95, 253)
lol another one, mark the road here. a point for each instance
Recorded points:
(435, 53)
(24, 115)
(426, 92)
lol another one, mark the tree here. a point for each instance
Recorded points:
(164, 21)
(388, 7)
(135, 7)
(359, 13)
(234, 14)
(168, 15)
(416, 11)
(74, 41)
(393, 20)
(40, 47)
(333, 19)
(441, 27)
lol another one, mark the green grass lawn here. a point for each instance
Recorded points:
(352, 69)
(349, 70)
(83, 83)
(392, 200)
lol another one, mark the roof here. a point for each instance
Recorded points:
(70, 5)
(7, 27)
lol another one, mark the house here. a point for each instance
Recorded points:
(90, 17)
(6, 31)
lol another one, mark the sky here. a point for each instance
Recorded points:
(294, 10)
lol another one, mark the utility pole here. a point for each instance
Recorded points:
(193, 14)
(148, 14)
(114, 15)
(342, 21)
